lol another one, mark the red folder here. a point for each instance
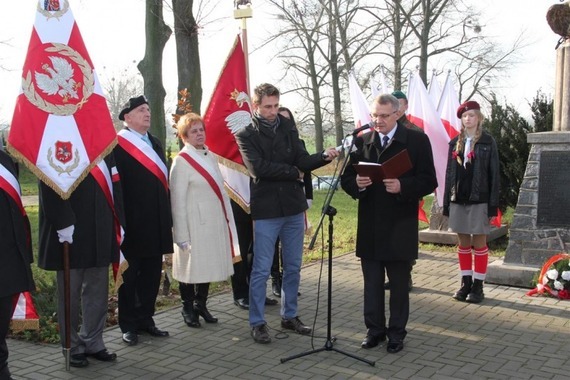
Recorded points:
(391, 168)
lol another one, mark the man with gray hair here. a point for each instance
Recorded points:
(387, 236)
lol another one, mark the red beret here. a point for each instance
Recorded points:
(467, 106)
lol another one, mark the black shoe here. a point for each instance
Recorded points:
(155, 331)
(260, 334)
(242, 302)
(78, 360)
(190, 316)
(202, 310)
(466, 285)
(296, 325)
(372, 341)
(476, 294)
(270, 301)
(131, 338)
(104, 356)
(394, 346)
(276, 288)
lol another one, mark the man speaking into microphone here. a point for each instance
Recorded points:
(387, 235)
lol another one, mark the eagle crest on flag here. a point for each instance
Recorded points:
(239, 119)
(58, 85)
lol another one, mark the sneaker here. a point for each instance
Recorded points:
(296, 325)
(260, 334)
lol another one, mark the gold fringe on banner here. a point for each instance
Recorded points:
(18, 325)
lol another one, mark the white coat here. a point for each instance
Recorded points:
(199, 218)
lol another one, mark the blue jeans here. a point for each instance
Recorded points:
(290, 230)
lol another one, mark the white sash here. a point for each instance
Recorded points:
(145, 149)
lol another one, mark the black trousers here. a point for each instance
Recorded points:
(242, 269)
(374, 297)
(5, 316)
(137, 294)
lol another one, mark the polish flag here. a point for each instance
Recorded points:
(24, 314)
(434, 89)
(359, 104)
(447, 108)
(422, 113)
(230, 110)
(61, 127)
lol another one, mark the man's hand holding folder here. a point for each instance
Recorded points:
(391, 168)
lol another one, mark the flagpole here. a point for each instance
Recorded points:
(243, 14)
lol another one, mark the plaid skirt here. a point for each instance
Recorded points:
(469, 219)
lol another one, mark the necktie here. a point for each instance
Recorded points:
(146, 139)
(385, 141)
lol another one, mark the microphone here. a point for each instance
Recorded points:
(346, 143)
(363, 128)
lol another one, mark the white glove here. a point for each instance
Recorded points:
(184, 246)
(66, 234)
(309, 202)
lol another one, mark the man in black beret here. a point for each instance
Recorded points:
(148, 232)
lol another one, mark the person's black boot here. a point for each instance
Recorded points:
(463, 292)
(202, 310)
(476, 295)
(188, 313)
(276, 285)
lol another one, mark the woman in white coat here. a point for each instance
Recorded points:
(204, 227)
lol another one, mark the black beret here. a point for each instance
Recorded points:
(132, 104)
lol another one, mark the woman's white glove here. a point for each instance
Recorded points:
(66, 234)
(184, 246)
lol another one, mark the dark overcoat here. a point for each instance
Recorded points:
(272, 159)
(87, 209)
(15, 242)
(388, 223)
(148, 216)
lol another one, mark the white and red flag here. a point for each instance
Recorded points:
(360, 107)
(24, 314)
(447, 108)
(230, 110)
(61, 125)
(422, 113)
(434, 89)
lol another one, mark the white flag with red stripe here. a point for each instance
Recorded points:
(434, 89)
(24, 315)
(447, 108)
(61, 125)
(360, 107)
(422, 113)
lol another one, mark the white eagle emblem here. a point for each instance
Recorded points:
(239, 119)
(58, 80)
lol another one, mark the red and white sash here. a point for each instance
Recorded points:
(10, 185)
(105, 180)
(143, 153)
(217, 187)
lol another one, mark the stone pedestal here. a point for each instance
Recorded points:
(541, 222)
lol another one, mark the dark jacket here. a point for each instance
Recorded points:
(388, 223)
(486, 176)
(272, 159)
(87, 209)
(148, 215)
(15, 241)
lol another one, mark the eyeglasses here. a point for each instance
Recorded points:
(381, 117)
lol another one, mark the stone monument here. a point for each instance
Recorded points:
(541, 222)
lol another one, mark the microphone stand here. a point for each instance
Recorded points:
(331, 212)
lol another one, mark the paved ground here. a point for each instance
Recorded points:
(510, 335)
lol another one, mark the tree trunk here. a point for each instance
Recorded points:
(157, 34)
(187, 54)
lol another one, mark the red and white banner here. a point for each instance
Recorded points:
(434, 89)
(230, 110)
(422, 113)
(447, 108)
(61, 125)
(24, 315)
(360, 107)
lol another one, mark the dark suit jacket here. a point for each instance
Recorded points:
(15, 242)
(388, 223)
(94, 238)
(148, 215)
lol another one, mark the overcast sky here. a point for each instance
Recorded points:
(114, 34)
